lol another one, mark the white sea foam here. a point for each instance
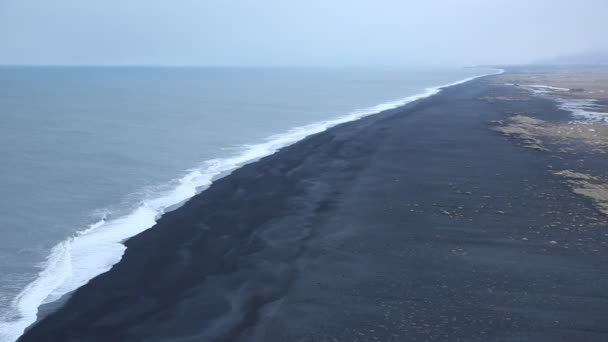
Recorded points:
(94, 250)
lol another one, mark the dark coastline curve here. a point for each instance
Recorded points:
(416, 224)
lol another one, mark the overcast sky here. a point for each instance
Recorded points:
(307, 32)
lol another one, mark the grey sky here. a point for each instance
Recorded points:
(311, 32)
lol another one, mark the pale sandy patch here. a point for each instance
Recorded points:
(589, 186)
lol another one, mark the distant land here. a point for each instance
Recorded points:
(583, 58)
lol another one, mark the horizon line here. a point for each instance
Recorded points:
(2, 65)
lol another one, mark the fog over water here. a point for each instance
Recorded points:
(315, 32)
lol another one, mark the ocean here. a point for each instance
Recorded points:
(94, 155)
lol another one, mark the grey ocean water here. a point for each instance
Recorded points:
(105, 150)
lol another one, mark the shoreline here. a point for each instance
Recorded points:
(412, 219)
(145, 216)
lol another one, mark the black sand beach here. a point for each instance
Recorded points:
(417, 224)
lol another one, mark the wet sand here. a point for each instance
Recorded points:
(417, 224)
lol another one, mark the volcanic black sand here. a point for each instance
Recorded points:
(417, 224)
